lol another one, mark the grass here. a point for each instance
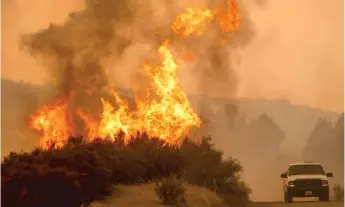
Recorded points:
(144, 196)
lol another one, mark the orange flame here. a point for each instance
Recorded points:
(196, 20)
(228, 17)
(114, 121)
(163, 111)
(172, 115)
(51, 120)
(169, 116)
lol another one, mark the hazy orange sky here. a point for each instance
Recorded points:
(296, 55)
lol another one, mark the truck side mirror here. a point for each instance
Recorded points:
(283, 175)
(329, 175)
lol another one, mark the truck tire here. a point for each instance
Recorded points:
(324, 197)
(287, 198)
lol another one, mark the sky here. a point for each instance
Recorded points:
(296, 55)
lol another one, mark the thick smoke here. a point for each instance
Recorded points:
(77, 53)
(213, 72)
(106, 43)
(73, 52)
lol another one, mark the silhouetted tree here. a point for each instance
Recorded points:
(264, 136)
(232, 114)
(320, 141)
(261, 137)
(339, 138)
(326, 145)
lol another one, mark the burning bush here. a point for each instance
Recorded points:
(88, 170)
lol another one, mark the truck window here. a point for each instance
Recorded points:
(306, 169)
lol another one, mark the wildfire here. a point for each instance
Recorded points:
(162, 111)
(171, 115)
(196, 20)
(168, 116)
(227, 16)
(51, 120)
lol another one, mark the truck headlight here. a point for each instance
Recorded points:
(291, 184)
(325, 183)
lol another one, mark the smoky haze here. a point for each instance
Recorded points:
(298, 54)
(271, 66)
(271, 56)
(75, 53)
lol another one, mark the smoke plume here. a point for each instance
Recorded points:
(77, 53)
(106, 42)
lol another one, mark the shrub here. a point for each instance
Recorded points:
(206, 167)
(83, 167)
(95, 185)
(338, 192)
(95, 167)
(159, 158)
(39, 185)
(171, 192)
(141, 160)
(234, 191)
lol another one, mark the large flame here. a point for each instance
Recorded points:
(51, 120)
(196, 20)
(168, 115)
(163, 110)
(193, 21)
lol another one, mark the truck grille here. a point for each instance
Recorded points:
(308, 182)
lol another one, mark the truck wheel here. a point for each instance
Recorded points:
(324, 197)
(287, 198)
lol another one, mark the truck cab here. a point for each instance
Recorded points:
(307, 179)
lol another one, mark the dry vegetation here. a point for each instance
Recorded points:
(144, 195)
(83, 172)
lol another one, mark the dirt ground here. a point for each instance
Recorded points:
(144, 196)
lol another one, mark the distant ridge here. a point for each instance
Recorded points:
(296, 121)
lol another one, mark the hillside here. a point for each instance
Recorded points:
(296, 121)
(20, 99)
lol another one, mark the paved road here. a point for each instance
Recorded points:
(298, 204)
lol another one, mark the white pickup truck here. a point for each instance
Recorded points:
(306, 179)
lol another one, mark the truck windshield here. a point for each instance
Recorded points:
(306, 169)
